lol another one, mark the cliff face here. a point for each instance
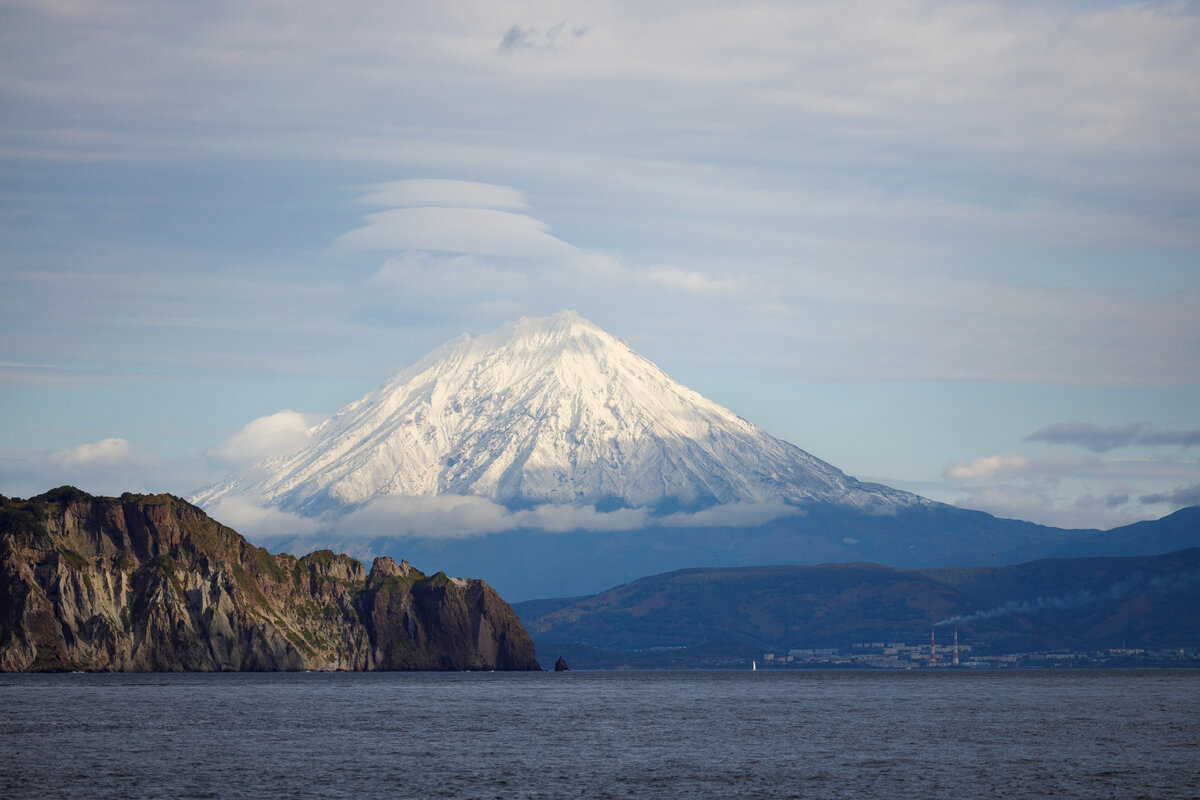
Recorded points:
(151, 583)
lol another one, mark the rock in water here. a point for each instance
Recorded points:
(151, 583)
(561, 665)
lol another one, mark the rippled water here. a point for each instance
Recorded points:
(600, 735)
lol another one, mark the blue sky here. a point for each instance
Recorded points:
(952, 247)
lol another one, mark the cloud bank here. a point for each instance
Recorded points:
(465, 516)
(260, 523)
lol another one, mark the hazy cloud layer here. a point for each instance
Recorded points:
(1101, 439)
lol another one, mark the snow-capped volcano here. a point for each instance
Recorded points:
(550, 410)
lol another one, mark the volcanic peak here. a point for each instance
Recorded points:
(549, 410)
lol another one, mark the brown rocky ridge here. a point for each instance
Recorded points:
(151, 583)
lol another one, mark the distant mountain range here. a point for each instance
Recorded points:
(560, 462)
(527, 564)
(1089, 603)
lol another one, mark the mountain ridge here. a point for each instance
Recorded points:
(1094, 603)
(151, 583)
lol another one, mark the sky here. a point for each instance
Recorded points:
(950, 247)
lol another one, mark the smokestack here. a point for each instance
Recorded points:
(956, 645)
(932, 646)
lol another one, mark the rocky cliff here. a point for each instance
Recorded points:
(151, 583)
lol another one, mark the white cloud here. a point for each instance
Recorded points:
(266, 437)
(988, 468)
(443, 193)
(732, 515)
(437, 517)
(565, 518)
(482, 231)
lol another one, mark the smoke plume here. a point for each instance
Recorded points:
(1117, 591)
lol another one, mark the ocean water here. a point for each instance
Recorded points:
(1085, 734)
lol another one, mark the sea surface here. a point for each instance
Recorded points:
(985, 734)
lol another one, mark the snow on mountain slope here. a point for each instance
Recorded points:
(550, 410)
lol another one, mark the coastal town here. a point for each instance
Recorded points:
(901, 655)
